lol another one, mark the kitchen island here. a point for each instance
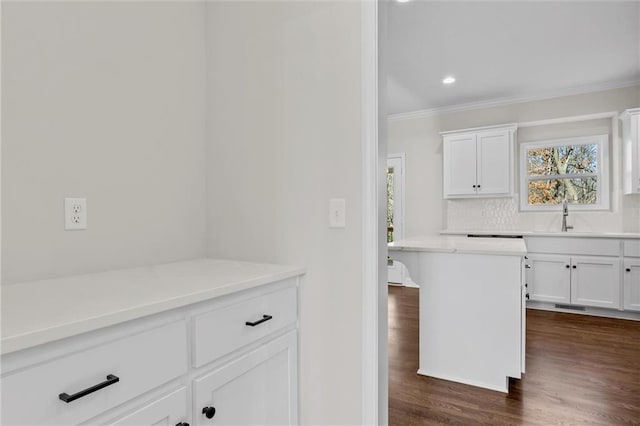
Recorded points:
(472, 307)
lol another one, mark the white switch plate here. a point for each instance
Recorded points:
(75, 214)
(337, 213)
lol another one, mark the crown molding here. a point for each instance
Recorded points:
(580, 90)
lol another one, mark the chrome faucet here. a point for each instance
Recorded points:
(565, 213)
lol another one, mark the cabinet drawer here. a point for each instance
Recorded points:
(141, 362)
(576, 245)
(632, 248)
(223, 330)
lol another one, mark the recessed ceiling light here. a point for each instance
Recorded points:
(449, 80)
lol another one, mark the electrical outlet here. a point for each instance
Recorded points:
(75, 214)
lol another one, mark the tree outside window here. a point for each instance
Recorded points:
(572, 169)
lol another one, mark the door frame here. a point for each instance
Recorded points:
(374, 391)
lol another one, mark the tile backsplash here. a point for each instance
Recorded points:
(502, 214)
(498, 214)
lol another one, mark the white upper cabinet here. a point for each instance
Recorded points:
(631, 151)
(479, 162)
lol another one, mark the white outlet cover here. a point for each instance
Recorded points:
(75, 214)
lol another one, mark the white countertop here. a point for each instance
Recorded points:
(461, 244)
(571, 233)
(43, 311)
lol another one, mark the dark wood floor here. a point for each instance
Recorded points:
(581, 370)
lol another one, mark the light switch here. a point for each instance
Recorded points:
(337, 213)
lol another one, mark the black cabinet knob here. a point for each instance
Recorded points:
(567, 266)
(182, 424)
(474, 186)
(527, 296)
(628, 269)
(209, 412)
(574, 266)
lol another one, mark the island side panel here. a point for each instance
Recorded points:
(470, 318)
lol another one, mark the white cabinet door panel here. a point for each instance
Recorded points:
(460, 165)
(595, 281)
(632, 284)
(258, 388)
(494, 162)
(550, 278)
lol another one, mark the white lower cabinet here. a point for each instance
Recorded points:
(577, 280)
(255, 389)
(549, 277)
(632, 284)
(595, 281)
(250, 377)
(168, 410)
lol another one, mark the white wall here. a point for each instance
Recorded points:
(284, 126)
(427, 213)
(102, 100)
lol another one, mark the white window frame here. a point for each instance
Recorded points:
(602, 174)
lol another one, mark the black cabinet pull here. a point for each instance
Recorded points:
(478, 186)
(111, 379)
(527, 296)
(265, 318)
(182, 424)
(628, 269)
(567, 266)
(526, 285)
(474, 186)
(574, 266)
(527, 267)
(209, 412)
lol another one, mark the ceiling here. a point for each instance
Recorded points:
(504, 50)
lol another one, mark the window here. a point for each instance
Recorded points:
(575, 169)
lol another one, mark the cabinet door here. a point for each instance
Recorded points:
(632, 284)
(169, 410)
(550, 278)
(595, 281)
(257, 388)
(494, 163)
(459, 165)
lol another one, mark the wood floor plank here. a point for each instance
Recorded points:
(581, 370)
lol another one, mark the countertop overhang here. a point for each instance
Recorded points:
(462, 244)
(39, 312)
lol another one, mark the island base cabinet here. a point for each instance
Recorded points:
(258, 388)
(168, 410)
(632, 284)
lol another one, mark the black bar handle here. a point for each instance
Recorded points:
(111, 379)
(527, 266)
(265, 318)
